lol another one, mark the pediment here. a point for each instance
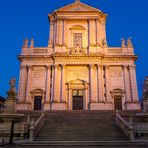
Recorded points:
(77, 7)
(77, 81)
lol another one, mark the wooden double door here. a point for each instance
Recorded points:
(37, 102)
(118, 102)
(77, 99)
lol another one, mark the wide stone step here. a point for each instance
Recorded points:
(81, 144)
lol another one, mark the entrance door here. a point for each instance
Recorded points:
(118, 103)
(37, 102)
(77, 99)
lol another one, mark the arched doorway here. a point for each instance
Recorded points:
(117, 95)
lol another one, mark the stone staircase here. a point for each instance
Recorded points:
(80, 129)
(80, 126)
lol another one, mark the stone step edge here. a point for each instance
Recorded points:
(82, 143)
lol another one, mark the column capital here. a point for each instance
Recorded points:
(23, 67)
(91, 65)
(125, 66)
(29, 67)
(48, 67)
(132, 67)
(106, 66)
(55, 65)
(99, 65)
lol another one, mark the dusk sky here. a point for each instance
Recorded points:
(20, 19)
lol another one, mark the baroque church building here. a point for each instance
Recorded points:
(77, 70)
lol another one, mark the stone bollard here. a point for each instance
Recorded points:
(31, 131)
(131, 129)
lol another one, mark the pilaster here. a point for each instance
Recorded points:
(22, 83)
(133, 83)
(56, 91)
(29, 80)
(126, 83)
(99, 82)
(107, 84)
(91, 79)
(48, 80)
(92, 32)
(63, 85)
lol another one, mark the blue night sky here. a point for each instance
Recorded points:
(20, 19)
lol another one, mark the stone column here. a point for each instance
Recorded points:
(126, 83)
(107, 84)
(100, 82)
(48, 80)
(63, 85)
(56, 91)
(22, 83)
(133, 83)
(91, 79)
(29, 78)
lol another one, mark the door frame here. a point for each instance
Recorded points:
(78, 95)
(117, 92)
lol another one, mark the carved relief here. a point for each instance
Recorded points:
(75, 72)
(115, 72)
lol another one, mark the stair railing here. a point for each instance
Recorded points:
(127, 127)
(35, 127)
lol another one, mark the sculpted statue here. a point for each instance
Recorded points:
(25, 43)
(32, 43)
(12, 85)
(123, 43)
(104, 43)
(129, 42)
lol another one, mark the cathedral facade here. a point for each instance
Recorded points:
(77, 70)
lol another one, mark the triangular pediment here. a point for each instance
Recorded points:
(78, 7)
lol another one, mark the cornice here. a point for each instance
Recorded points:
(71, 57)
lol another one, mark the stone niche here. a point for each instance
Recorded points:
(75, 72)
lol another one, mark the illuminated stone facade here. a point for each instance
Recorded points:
(77, 70)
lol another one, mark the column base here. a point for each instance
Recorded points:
(58, 106)
(101, 106)
(46, 106)
(23, 106)
(133, 106)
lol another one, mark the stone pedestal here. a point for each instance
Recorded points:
(59, 106)
(101, 106)
(133, 106)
